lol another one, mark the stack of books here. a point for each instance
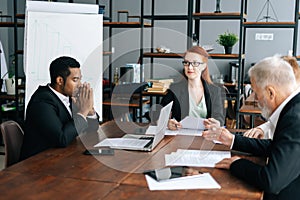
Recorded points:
(159, 85)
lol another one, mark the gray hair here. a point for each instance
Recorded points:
(273, 71)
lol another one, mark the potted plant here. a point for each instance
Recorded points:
(227, 40)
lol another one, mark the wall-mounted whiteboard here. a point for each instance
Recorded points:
(55, 29)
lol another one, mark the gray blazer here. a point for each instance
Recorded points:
(214, 99)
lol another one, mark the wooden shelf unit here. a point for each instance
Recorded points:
(180, 55)
(15, 24)
(11, 24)
(125, 24)
(106, 53)
(219, 16)
(269, 24)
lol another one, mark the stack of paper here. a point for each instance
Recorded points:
(192, 126)
(196, 158)
(201, 181)
(184, 131)
(193, 123)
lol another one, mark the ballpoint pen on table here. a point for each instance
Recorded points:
(175, 123)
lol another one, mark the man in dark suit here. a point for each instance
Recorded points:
(50, 120)
(275, 88)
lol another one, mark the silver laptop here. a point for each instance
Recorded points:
(147, 142)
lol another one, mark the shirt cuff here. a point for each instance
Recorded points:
(233, 137)
(82, 116)
(94, 116)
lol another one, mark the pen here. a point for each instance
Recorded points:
(175, 124)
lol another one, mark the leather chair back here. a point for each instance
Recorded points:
(12, 134)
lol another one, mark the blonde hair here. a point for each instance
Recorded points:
(293, 62)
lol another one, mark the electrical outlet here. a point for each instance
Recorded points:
(264, 36)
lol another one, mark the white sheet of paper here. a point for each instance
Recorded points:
(184, 131)
(192, 123)
(122, 142)
(195, 158)
(201, 181)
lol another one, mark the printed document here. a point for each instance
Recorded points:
(195, 158)
(191, 126)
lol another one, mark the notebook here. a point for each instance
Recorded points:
(145, 142)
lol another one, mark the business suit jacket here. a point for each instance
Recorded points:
(48, 123)
(178, 93)
(280, 177)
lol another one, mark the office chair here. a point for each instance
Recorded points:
(12, 134)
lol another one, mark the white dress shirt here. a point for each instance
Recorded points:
(269, 127)
(63, 99)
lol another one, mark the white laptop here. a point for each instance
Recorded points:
(148, 142)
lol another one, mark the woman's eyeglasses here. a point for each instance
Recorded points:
(194, 64)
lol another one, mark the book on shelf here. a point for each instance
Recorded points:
(157, 89)
(159, 85)
(167, 81)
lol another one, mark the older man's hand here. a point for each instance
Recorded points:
(226, 162)
(215, 132)
(254, 133)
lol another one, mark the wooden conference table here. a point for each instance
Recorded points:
(65, 173)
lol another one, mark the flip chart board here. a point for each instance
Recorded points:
(55, 29)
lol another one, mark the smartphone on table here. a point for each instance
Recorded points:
(167, 173)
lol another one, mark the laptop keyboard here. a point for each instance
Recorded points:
(146, 138)
(149, 144)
